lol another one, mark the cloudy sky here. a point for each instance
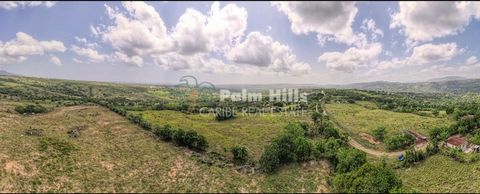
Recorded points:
(241, 42)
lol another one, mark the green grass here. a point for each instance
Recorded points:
(254, 132)
(357, 119)
(114, 155)
(442, 174)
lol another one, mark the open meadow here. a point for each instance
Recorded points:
(251, 130)
(364, 117)
(110, 154)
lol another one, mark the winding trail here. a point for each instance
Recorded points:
(378, 153)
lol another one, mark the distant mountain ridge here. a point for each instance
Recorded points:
(449, 84)
(6, 73)
(447, 78)
(442, 85)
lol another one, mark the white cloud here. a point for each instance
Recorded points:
(23, 46)
(9, 5)
(130, 60)
(189, 33)
(429, 53)
(81, 40)
(422, 55)
(90, 54)
(226, 25)
(424, 21)
(471, 60)
(55, 60)
(139, 35)
(352, 59)
(330, 20)
(76, 60)
(369, 25)
(262, 51)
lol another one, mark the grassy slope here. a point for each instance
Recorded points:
(356, 119)
(114, 155)
(441, 174)
(252, 131)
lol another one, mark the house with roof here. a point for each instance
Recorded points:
(459, 142)
(456, 141)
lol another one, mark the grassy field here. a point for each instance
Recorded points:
(254, 132)
(442, 174)
(357, 118)
(113, 155)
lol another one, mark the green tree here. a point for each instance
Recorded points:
(369, 178)
(303, 149)
(350, 159)
(379, 133)
(240, 154)
(270, 160)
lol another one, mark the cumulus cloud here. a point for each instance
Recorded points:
(262, 51)
(424, 21)
(471, 60)
(139, 34)
(189, 34)
(423, 55)
(9, 5)
(352, 59)
(23, 46)
(90, 54)
(429, 53)
(369, 26)
(55, 60)
(330, 20)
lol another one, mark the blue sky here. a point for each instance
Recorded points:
(241, 42)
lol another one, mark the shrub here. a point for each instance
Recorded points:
(270, 160)
(412, 156)
(190, 139)
(303, 149)
(432, 148)
(165, 133)
(240, 154)
(379, 133)
(291, 146)
(399, 141)
(369, 178)
(350, 160)
(31, 109)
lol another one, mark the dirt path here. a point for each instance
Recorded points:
(378, 153)
(352, 142)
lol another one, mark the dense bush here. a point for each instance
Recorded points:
(31, 109)
(270, 158)
(369, 178)
(412, 156)
(327, 149)
(291, 146)
(350, 160)
(240, 154)
(379, 133)
(190, 138)
(399, 141)
(165, 133)
(303, 149)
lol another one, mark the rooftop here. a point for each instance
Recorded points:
(456, 140)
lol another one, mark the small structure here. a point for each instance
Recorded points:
(419, 138)
(457, 141)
